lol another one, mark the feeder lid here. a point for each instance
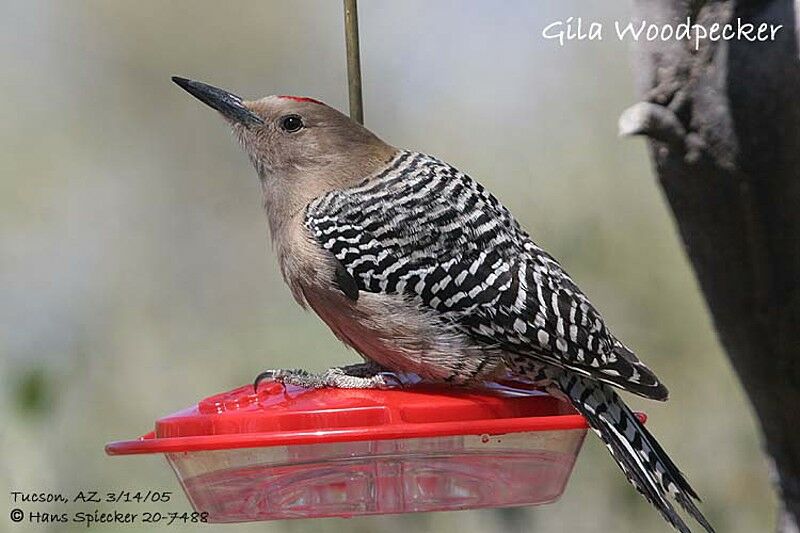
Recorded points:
(281, 415)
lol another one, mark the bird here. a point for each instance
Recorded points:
(421, 270)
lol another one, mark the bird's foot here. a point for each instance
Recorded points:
(360, 376)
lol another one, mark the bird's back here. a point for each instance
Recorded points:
(423, 229)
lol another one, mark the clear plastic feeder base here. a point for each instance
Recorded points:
(378, 477)
(295, 453)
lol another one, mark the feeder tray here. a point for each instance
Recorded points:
(288, 452)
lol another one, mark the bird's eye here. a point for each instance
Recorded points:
(291, 123)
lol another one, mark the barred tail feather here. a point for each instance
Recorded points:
(643, 461)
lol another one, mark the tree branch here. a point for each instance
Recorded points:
(724, 129)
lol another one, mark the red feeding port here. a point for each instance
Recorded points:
(288, 452)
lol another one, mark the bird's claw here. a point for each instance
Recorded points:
(334, 377)
(389, 380)
(280, 375)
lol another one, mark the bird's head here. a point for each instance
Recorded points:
(297, 142)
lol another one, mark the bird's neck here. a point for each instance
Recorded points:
(286, 195)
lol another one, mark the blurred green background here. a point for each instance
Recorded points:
(136, 275)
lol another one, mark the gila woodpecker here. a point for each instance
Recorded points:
(421, 270)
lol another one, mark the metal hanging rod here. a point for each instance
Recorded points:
(353, 60)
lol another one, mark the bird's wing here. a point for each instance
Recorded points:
(424, 229)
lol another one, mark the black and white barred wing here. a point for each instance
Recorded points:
(423, 229)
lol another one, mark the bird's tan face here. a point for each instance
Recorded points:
(300, 147)
(301, 137)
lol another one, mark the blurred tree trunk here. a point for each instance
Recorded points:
(723, 124)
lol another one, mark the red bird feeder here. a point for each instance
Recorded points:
(287, 452)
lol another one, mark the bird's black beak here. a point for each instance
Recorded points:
(231, 106)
